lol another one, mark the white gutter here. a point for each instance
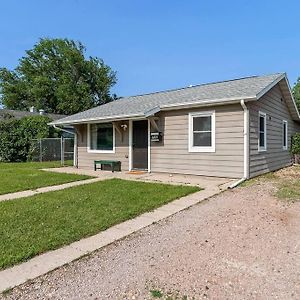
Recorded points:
(62, 129)
(220, 101)
(174, 106)
(246, 146)
(94, 120)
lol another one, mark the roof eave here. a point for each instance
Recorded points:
(271, 85)
(295, 113)
(176, 106)
(93, 120)
(224, 101)
(293, 99)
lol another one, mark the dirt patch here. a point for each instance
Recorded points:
(292, 172)
(242, 244)
(285, 182)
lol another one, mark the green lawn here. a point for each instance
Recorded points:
(15, 177)
(30, 226)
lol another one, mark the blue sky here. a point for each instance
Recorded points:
(156, 45)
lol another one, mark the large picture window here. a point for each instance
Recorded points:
(202, 132)
(101, 137)
(262, 131)
(284, 135)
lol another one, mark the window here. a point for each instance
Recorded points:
(202, 132)
(262, 132)
(284, 135)
(101, 138)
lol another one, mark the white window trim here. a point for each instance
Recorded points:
(264, 115)
(211, 148)
(286, 136)
(89, 150)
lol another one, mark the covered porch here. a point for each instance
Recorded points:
(125, 141)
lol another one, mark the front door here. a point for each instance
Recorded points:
(140, 144)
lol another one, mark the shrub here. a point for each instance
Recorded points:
(16, 136)
(295, 147)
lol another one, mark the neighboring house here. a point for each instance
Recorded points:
(236, 128)
(19, 114)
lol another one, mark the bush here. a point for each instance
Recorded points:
(16, 136)
(295, 147)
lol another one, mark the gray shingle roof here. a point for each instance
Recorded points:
(19, 114)
(243, 88)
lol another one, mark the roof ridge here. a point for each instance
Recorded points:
(197, 85)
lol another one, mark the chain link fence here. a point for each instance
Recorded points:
(53, 149)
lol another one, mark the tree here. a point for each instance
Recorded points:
(16, 136)
(296, 92)
(56, 76)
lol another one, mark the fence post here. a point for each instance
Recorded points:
(41, 151)
(75, 151)
(62, 153)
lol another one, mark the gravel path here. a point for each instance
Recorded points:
(242, 244)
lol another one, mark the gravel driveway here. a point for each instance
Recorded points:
(242, 244)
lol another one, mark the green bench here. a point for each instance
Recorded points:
(112, 163)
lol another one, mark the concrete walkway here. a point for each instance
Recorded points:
(202, 181)
(45, 189)
(51, 260)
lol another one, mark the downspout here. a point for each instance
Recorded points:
(246, 146)
(75, 161)
(62, 129)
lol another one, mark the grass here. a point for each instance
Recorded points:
(6, 292)
(289, 190)
(156, 293)
(287, 184)
(15, 177)
(33, 225)
(268, 176)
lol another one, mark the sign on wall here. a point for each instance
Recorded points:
(155, 136)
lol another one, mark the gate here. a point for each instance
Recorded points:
(53, 149)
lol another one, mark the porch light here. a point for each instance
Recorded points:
(124, 127)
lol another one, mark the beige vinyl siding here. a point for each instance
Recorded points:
(86, 159)
(274, 105)
(172, 154)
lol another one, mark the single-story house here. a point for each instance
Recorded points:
(238, 128)
(67, 130)
(19, 114)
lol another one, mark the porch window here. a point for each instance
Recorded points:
(284, 135)
(262, 131)
(101, 138)
(202, 132)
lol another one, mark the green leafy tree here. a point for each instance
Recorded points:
(295, 149)
(296, 92)
(56, 76)
(16, 136)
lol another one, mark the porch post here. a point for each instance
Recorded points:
(130, 145)
(149, 146)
